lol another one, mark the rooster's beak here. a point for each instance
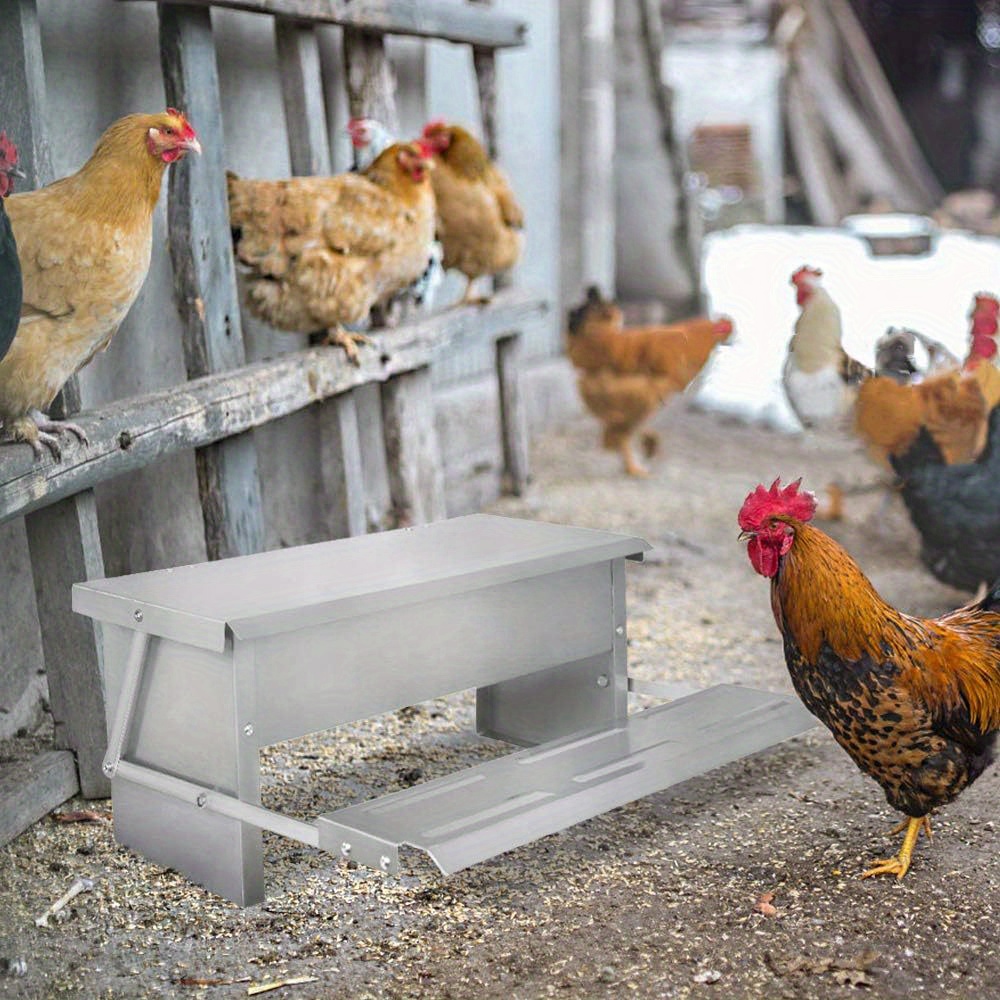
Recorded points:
(745, 536)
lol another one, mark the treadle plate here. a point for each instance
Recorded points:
(485, 810)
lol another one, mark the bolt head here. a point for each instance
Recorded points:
(248, 729)
(345, 849)
(619, 630)
(108, 768)
(137, 614)
(202, 800)
(385, 862)
(602, 680)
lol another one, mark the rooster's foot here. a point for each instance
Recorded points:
(348, 341)
(900, 864)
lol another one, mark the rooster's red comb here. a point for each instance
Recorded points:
(804, 273)
(8, 153)
(762, 504)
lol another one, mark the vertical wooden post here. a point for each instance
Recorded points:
(63, 539)
(513, 427)
(205, 278)
(340, 463)
(416, 478)
(371, 93)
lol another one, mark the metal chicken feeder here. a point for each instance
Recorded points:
(206, 664)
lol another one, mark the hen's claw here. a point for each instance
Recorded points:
(36, 429)
(348, 341)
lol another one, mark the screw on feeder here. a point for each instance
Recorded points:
(385, 862)
(602, 680)
(345, 850)
(202, 800)
(137, 614)
(248, 729)
(619, 630)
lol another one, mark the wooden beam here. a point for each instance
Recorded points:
(71, 648)
(32, 788)
(371, 80)
(421, 18)
(133, 433)
(515, 474)
(416, 476)
(339, 444)
(823, 184)
(878, 100)
(205, 277)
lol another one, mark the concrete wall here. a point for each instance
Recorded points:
(102, 61)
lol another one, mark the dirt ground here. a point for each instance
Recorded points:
(740, 883)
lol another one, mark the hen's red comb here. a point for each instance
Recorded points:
(723, 326)
(762, 504)
(185, 126)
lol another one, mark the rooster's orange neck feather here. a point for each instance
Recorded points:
(821, 596)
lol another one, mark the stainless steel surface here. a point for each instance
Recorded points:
(218, 802)
(485, 810)
(125, 702)
(294, 588)
(321, 676)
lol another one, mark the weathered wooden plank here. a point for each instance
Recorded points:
(65, 547)
(513, 424)
(871, 171)
(416, 475)
(31, 789)
(70, 648)
(131, 434)
(823, 184)
(22, 96)
(339, 446)
(370, 78)
(205, 278)
(302, 92)
(422, 18)
(879, 101)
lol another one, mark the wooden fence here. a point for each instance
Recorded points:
(224, 397)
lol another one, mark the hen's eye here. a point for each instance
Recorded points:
(168, 130)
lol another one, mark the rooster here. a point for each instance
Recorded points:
(10, 266)
(627, 373)
(84, 243)
(915, 702)
(479, 219)
(320, 252)
(819, 376)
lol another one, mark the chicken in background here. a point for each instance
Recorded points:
(10, 267)
(368, 138)
(84, 243)
(895, 355)
(955, 508)
(819, 376)
(952, 405)
(625, 374)
(915, 702)
(479, 219)
(318, 253)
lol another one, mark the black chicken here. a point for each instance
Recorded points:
(956, 508)
(11, 288)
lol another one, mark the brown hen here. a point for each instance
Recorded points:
(84, 243)
(479, 218)
(320, 252)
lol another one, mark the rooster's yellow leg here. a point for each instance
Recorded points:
(900, 864)
(347, 340)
